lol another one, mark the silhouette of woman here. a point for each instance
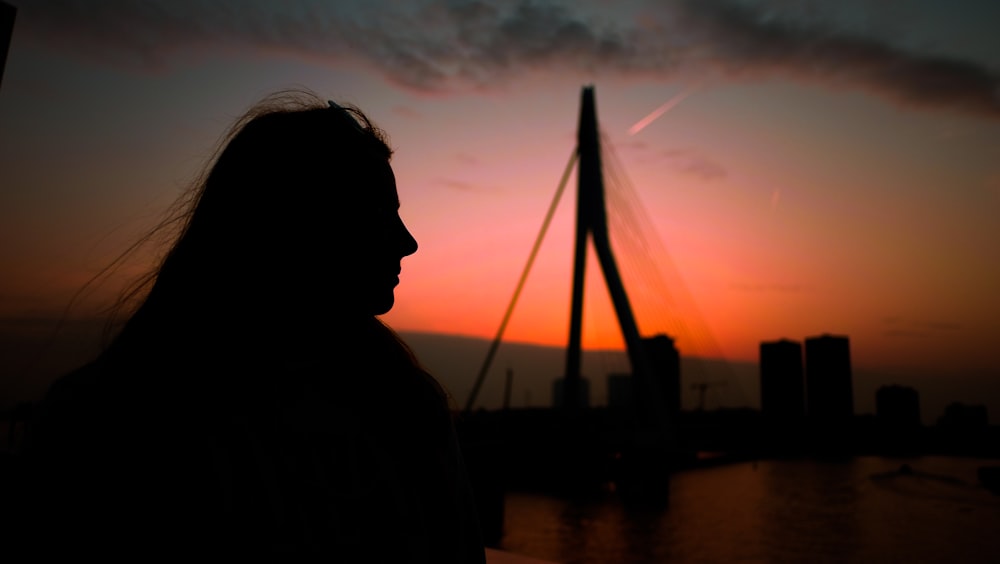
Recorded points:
(253, 403)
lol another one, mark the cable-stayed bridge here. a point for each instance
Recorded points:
(631, 444)
(648, 294)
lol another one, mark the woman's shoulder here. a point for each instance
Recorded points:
(79, 382)
(77, 403)
(74, 391)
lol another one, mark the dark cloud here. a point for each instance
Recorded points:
(743, 42)
(905, 334)
(157, 34)
(775, 288)
(684, 161)
(687, 161)
(447, 45)
(407, 112)
(632, 144)
(457, 184)
(901, 327)
(467, 159)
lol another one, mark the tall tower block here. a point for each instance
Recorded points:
(665, 361)
(898, 406)
(829, 389)
(782, 389)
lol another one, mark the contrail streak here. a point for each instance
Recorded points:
(667, 106)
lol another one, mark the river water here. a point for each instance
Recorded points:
(856, 510)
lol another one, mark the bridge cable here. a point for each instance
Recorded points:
(638, 237)
(520, 284)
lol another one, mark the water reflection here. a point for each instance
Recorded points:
(816, 504)
(860, 510)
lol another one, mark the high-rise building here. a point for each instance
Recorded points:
(782, 391)
(964, 416)
(665, 362)
(829, 390)
(559, 393)
(897, 406)
(620, 391)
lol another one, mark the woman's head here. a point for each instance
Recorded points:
(296, 218)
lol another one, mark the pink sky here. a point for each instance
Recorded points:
(796, 192)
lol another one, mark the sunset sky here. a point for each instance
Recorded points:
(822, 167)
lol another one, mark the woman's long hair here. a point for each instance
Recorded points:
(240, 333)
(239, 284)
(260, 205)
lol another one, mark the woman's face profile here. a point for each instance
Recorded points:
(375, 243)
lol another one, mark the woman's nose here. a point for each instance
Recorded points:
(408, 245)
